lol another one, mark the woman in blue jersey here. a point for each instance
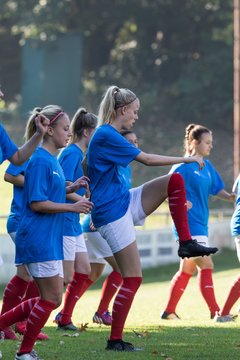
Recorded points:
(116, 210)
(39, 238)
(21, 286)
(76, 263)
(234, 291)
(100, 253)
(199, 186)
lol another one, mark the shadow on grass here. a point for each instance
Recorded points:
(224, 260)
(162, 342)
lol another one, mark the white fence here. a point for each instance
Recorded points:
(156, 247)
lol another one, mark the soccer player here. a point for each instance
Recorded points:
(76, 263)
(21, 287)
(116, 210)
(200, 185)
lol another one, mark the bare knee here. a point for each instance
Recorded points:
(96, 271)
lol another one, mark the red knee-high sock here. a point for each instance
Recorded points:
(177, 287)
(32, 291)
(36, 320)
(233, 296)
(74, 291)
(109, 289)
(207, 290)
(122, 304)
(13, 293)
(178, 206)
(18, 313)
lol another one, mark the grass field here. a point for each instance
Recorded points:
(194, 337)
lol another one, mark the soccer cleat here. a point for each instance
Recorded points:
(169, 316)
(9, 334)
(120, 345)
(68, 326)
(191, 248)
(20, 328)
(224, 318)
(105, 318)
(28, 356)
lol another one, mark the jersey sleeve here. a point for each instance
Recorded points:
(7, 145)
(37, 182)
(217, 182)
(69, 162)
(119, 151)
(15, 170)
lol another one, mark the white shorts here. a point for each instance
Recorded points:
(1, 260)
(12, 236)
(72, 245)
(45, 269)
(201, 239)
(97, 248)
(121, 233)
(237, 242)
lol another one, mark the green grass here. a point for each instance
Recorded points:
(194, 337)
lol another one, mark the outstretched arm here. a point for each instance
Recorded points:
(161, 160)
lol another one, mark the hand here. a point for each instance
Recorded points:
(83, 206)
(81, 182)
(232, 197)
(195, 158)
(42, 123)
(92, 227)
(189, 205)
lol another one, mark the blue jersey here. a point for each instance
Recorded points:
(235, 221)
(16, 205)
(7, 146)
(199, 185)
(71, 161)
(39, 236)
(125, 172)
(108, 150)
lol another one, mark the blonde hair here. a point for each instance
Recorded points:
(193, 132)
(82, 120)
(113, 99)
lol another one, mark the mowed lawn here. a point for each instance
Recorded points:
(193, 337)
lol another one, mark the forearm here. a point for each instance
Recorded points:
(74, 197)
(25, 151)
(14, 180)
(50, 207)
(158, 160)
(224, 195)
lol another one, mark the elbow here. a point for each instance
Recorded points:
(35, 206)
(6, 177)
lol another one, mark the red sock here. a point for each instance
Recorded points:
(178, 206)
(177, 287)
(32, 291)
(207, 290)
(13, 293)
(18, 313)
(74, 291)
(109, 289)
(36, 321)
(233, 296)
(122, 304)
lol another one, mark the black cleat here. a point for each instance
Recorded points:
(120, 345)
(191, 248)
(169, 316)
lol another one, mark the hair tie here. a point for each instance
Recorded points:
(56, 117)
